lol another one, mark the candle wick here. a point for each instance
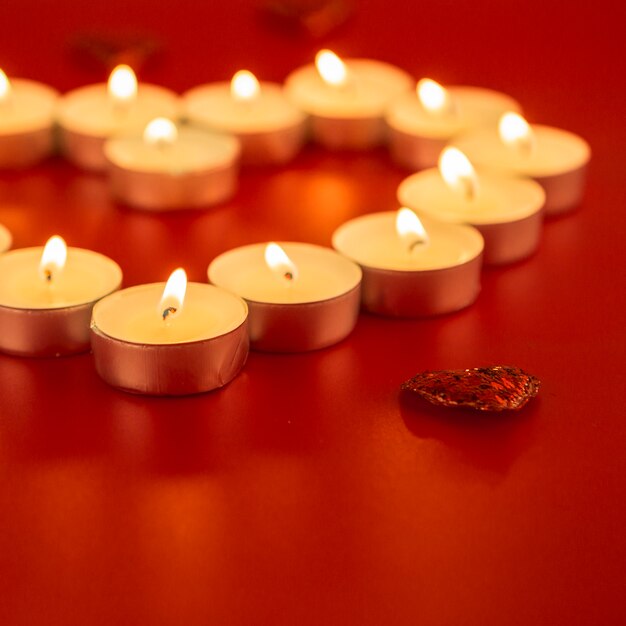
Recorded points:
(120, 107)
(288, 276)
(48, 275)
(416, 243)
(169, 311)
(350, 87)
(470, 188)
(526, 145)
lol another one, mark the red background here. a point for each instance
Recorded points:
(307, 491)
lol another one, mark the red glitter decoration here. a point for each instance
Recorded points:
(495, 388)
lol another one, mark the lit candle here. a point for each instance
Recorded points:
(26, 121)
(422, 121)
(555, 158)
(170, 168)
(301, 296)
(170, 338)
(269, 127)
(90, 115)
(5, 239)
(410, 268)
(46, 297)
(506, 210)
(346, 99)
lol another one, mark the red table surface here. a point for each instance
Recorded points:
(307, 492)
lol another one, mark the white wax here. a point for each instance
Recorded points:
(555, 151)
(86, 277)
(133, 315)
(5, 239)
(192, 151)
(472, 107)
(91, 111)
(29, 106)
(322, 274)
(370, 87)
(372, 241)
(499, 198)
(214, 107)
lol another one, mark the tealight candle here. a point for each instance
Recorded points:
(5, 239)
(90, 115)
(269, 127)
(555, 158)
(26, 121)
(410, 268)
(167, 168)
(46, 297)
(301, 296)
(170, 338)
(346, 100)
(506, 210)
(421, 122)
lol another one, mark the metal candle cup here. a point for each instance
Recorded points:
(557, 160)
(348, 115)
(507, 211)
(318, 309)
(37, 319)
(440, 276)
(270, 129)
(196, 170)
(26, 123)
(417, 135)
(206, 349)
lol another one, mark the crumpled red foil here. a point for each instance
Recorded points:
(496, 388)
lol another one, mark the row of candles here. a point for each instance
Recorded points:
(133, 130)
(425, 259)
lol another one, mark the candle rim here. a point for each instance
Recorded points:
(489, 138)
(348, 111)
(199, 112)
(231, 147)
(73, 252)
(71, 108)
(39, 118)
(219, 262)
(433, 127)
(158, 289)
(492, 184)
(469, 232)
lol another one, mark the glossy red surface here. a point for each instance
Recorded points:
(307, 491)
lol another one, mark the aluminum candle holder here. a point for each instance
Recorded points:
(40, 319)
(309, 300)
(137, 350)
(440, 274)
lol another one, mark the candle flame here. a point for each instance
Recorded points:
(433, 97)
(244, 86)
(53, 259)
(171, 303)
(280, 264)
(516, 132)
(5, 87)
(410, 229)
(160, 132)
(331, 68)
(122, 85)
(458, 173)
